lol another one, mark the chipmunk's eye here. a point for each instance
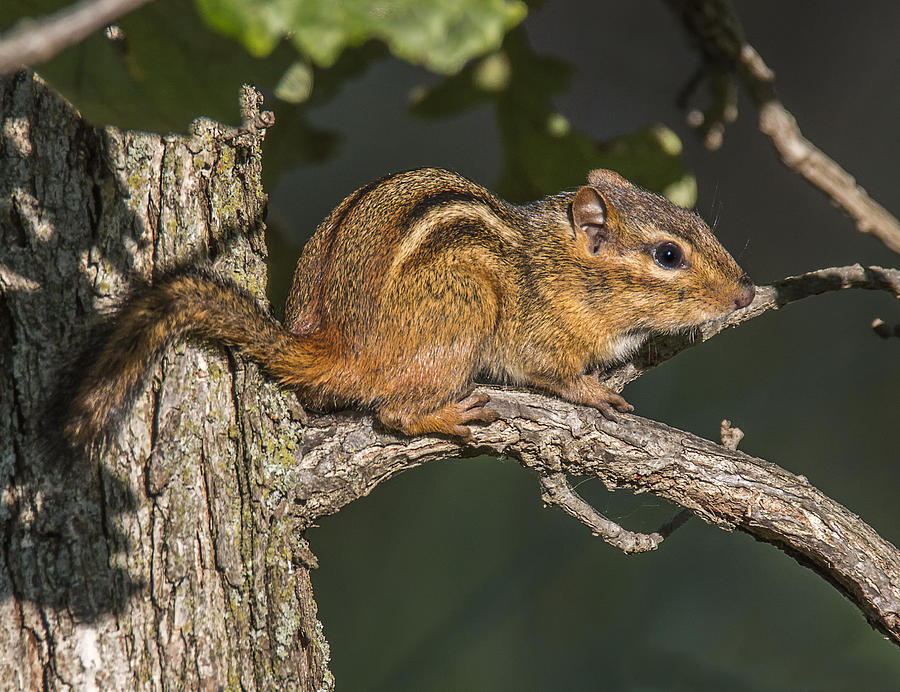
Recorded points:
(668, 256)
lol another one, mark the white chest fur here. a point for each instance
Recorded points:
(622, 347)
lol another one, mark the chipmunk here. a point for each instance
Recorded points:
(420, 282)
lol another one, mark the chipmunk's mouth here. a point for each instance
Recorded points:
(719, 306)
(706, 309)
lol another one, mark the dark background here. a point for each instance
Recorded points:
(452, 576)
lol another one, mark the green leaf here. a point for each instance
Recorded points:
(442, 35)
(296, 84)
(172, 69)
(259, 25)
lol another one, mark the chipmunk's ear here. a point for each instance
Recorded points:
(589, 215)
(603, 177)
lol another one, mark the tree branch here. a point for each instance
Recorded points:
(35, 41)
(717, 32)
(769, 297)
(724, 487)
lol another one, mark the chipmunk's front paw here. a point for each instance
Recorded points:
(588, 391)
(608, 402)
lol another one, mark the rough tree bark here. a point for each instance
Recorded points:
(175, 557)
(162, 565)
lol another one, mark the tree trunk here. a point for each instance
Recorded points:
(167, 560)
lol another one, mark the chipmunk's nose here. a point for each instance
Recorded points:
(745, 297)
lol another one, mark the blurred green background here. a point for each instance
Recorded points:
(452, 576)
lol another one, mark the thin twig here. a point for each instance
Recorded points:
(719, 38)
(557, 491)
(34, 41)
(730, 435)
(803, 157)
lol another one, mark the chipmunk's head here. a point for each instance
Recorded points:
(661, 262)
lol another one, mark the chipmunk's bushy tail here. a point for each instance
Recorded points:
(184, 305)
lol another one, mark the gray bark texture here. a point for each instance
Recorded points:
(174, 558)
(157, 564)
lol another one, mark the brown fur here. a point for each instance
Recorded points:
(420, 282)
